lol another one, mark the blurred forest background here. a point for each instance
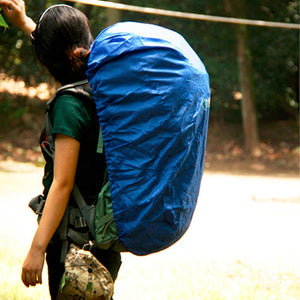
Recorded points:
(254, 76)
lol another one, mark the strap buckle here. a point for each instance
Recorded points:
(88, 246)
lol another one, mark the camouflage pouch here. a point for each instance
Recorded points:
(85, 277)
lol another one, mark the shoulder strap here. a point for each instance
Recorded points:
(80, 89)
(87, 211)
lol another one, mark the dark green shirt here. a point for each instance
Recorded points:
(77, 118)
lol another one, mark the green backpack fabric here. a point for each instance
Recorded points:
(106, 235)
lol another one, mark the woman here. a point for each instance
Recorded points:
(61, 40)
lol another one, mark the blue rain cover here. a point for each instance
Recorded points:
(152, 96)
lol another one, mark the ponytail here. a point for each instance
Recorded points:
(78, 58)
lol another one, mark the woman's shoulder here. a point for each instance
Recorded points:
(72, 115)
(68, 101)
(71, 104)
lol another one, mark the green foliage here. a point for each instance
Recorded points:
(16, 57)
(2, 21)
(276, 62)
(10, 112)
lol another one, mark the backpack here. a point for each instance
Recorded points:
(152, 97)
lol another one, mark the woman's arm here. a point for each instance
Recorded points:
(16, 13)
(65, 164)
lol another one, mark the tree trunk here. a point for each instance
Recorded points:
(251, 141)
(112, 15)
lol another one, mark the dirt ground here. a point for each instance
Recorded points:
(241, 220)
(247, 217)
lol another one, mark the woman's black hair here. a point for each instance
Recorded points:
(61, 42)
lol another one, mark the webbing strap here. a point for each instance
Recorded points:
(88, 211)
(50, 147)
(105, 219)
(77, 238)
(100, 145)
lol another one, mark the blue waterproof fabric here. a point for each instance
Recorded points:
(152, 96)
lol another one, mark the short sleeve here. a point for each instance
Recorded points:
(70, 117)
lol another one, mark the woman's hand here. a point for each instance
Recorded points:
(16, 14)
(33, 267)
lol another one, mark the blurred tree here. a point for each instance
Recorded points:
(275, 54)
(251, 143)
(274, 59)
(96, 16)
(113, 15)
(16, 57)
